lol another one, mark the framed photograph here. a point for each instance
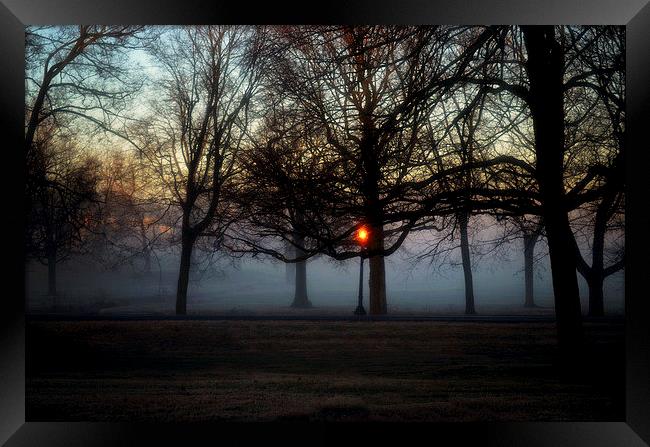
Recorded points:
(363, 222)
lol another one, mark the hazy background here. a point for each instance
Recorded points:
(259, 286)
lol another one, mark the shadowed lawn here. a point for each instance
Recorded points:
(318, 370)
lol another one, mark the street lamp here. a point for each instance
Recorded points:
(362, 239)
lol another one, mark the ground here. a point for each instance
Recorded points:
(319, 370)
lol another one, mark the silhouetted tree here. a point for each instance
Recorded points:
(62, 208)
(530, 229)
(535, 67)
(289, 268)
(466, 125)
(607, 220)
(366, 92)
(461, 146)
(280, 196)
(602, 145)
(73, 74)
(210, 74)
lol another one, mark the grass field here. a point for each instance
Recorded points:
(319, 371)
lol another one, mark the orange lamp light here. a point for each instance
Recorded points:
(362, 235)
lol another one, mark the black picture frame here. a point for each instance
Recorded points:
(635, 14)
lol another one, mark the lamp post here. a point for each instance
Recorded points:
(362, 238)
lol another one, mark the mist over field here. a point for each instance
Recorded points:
(263, 285)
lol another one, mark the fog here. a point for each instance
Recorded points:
(265, 286)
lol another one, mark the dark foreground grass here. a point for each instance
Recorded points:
(311, 370)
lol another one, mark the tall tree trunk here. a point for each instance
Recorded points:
(187, 244)
(146, 252)
(596, 302)
(195, 259)
(369, 150)
(530, 240)
(377, 276)
(300, 298)
(463, 219)
(374, 213)
(51, 273)
(51, 253)
(545, 67)
(289, 267)
(565, 284)
(596, 275)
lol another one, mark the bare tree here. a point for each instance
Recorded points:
(367, 91)
(465, 128)
(461, 145)
(198, 127)
(62, 209)
(74, 75)
(534, 67)
(529, 229)
(601, 143)
(281, 195)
